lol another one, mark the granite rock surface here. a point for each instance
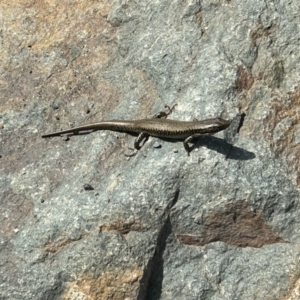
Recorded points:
(79, 220)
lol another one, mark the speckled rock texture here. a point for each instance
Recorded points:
(81, 221)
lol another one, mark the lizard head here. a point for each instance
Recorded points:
(216, 124)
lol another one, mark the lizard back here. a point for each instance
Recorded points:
(180, 129)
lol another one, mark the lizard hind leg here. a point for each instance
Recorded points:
(187, 141)
(186, 145)
(142, 136)
(164, 114)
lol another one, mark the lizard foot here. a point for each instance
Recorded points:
(164, 114)
(133, 152)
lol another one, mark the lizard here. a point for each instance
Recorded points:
(157, 126)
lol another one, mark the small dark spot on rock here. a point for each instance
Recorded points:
(88, 187)
(54, 106)
(1, 126)
(42, 200)
(57, 117)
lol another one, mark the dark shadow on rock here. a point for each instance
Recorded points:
(154, 289)
(211, 142)
(153, 277)
(219, 145)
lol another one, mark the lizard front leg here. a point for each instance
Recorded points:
(187, 141)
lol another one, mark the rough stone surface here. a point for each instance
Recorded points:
(223, 223)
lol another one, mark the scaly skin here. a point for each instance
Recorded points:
(172, 129)
(158, 126)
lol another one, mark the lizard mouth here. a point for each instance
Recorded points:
(220, 125)
(217, 124)
(223, 121)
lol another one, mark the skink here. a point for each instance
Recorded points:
(158, 126)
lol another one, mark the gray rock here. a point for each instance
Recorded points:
(222, 223)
